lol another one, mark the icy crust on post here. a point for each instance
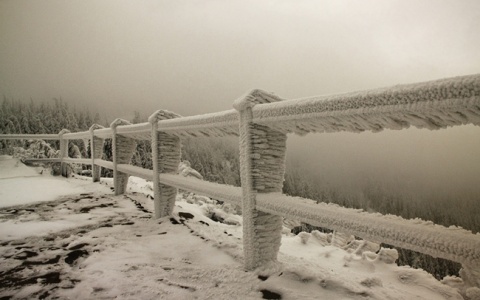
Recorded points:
(432, 105)
(162, 114)
(268, 169)
(94, 127)
(96, 146)
(119, 122)
(123, 149)
(453, 243)
(166, 157)
(63, 151)
(62, 132)
(103, 132)
(268, 158)
(262, 167)
(253, 98)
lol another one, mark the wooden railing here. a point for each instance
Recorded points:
(262, 121)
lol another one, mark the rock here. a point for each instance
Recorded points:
(185, 215)
(74, 255)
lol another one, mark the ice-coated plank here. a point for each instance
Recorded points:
(85, 161)
(42, 160)
(432, 105)
(224, 123)
(135, 171)
(137, 135)
(451, 243)
(103, 163)
(82, 135)
(29, 137)
(139, 131)
(223, 192)
(103, 133)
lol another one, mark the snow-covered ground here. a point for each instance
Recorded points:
(72, 239)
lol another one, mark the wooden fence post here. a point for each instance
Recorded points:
(470, 276)
(63, 153)
(262, 168)
(166, 154)
(123, 149)
(96, 152)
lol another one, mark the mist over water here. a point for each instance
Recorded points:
(416, 162)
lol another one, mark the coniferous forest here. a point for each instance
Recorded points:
(217, 160)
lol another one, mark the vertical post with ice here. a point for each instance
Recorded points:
(262, 169)
(122, 150)
(63, 152)
(471, 277)
(96, 151)
(166, 154)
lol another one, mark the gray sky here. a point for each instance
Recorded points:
(197, 56)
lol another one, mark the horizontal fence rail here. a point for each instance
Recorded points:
(51, 160)
(78, 160)
(103, 163)
(29, 136)
(77, 135)
(261, 121)
(423, 236)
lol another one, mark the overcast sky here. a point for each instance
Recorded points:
(198, 56)
(195, 57)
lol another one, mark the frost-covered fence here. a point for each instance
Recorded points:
(262, 122)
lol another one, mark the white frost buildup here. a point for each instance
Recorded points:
(123, 149)
(186, 170)
(140, 259)
(224, 123)
(471, 276)
(223, 192)
(262, 167)
(364, 246)
(432, 105)
(388, 256)
(340, 239)
(165, 157)
(438, 241)
(262, 122)
(63, 152)
(96, 146)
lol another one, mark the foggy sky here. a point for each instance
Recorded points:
(195, 57)
(198, 56)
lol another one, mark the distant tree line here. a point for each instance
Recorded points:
(45, 117)
(22, 117)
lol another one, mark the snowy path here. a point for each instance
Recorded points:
(20, 184)
(93, 245)
(116, 251)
